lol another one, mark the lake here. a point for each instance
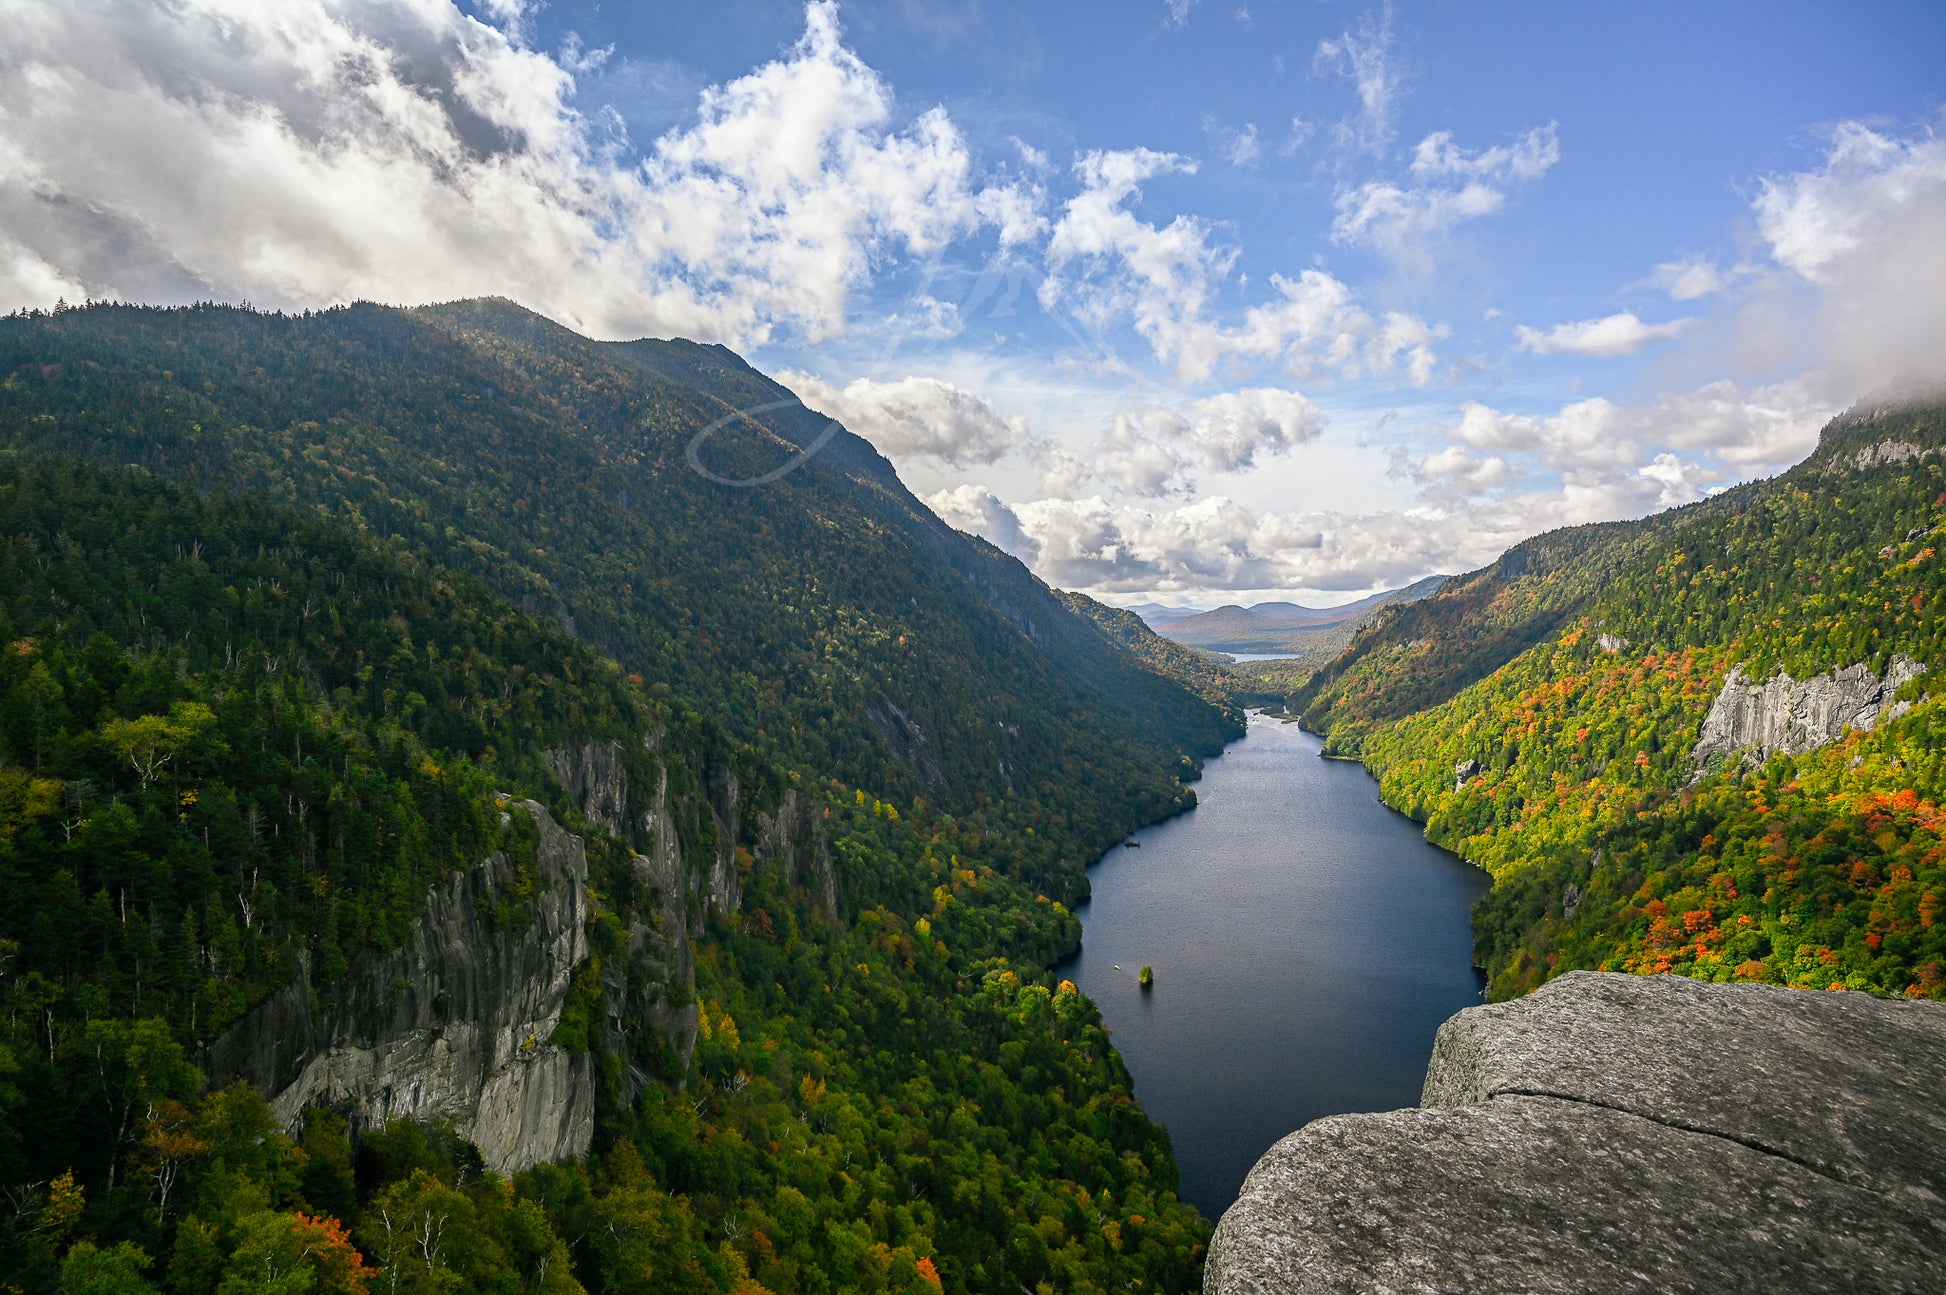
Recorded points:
(1307, 943)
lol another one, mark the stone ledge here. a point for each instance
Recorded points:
(1620, 1133)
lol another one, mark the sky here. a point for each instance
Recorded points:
(1183, 301)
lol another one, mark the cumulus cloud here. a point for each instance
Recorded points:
(1150, 451)
(1487, 480)
(1139, 454)
(1687, 279)
(1406, 222)
(1867, 230)
(978, 511)
(1739, 431)
(1233, 428)
(1158, 276)
(914, 417)
(1609, 336)
(1455, 472)
(1109, 263)
(320, 150)
(1217, 543)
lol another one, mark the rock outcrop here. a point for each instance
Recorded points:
(594, 775)
(1791, 716)
(1878, 454)
(1620, 1133)
(453, 1024)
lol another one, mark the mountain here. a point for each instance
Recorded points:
(825, 617)
(1704, 743)
(1286, 627)
(1324, 617)
(1154, 614)
(413, 771)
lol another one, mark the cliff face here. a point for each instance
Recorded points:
(1792, 716)
(453, 1024)
(1624, 1133)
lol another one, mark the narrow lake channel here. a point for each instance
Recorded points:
(1307, 943)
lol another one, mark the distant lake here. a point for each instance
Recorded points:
(1307, 943)
(1262, 656)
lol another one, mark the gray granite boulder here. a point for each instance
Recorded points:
(1621, 1133)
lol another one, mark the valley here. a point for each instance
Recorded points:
(427, 798)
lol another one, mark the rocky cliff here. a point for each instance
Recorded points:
(1620, 1133)
(453, 1024)
(456, 1023)
(1791, 716)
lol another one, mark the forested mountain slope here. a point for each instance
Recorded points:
(251, 732)
(1707, 743)
(825, 615)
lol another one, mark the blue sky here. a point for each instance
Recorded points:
(1194, 302)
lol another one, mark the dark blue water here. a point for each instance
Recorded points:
(1307, 943)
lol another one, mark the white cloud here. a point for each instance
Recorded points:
(1314, 327)
(914, 418)
(1406, 223)
(1687, 279)
(1584, 434)
(1677, 482)
(1752, 432)
(1455, 473)
(1232, 429)
(1139, 455)
(1237, 147)
(1487, 481)
(1178, 11)
(1611, 335)
(316, 151)
(1148, 452)
(1300, 135)
(1109, 263)
(1364, 57)
(1158, 276)
(1867, 229)
(1737, 432)
(1527, 158)
(978, 511)
(1217, 543)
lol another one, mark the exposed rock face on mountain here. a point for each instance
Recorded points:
(1793, 716)
(1871, 456)
(455, 1023)
(593, 774)
(1621, 1133)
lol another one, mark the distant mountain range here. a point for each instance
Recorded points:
(1277, 626)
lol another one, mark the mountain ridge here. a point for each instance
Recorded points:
(1548, 718)
(1288, 627)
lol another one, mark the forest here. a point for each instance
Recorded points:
(286, 626)
(1541, 717)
